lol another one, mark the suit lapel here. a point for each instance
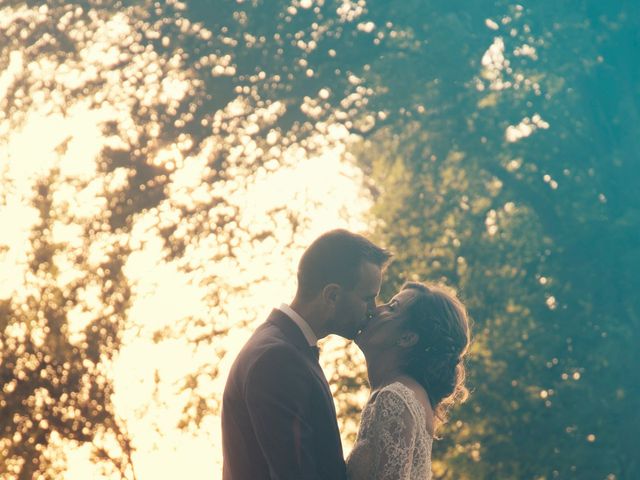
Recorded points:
(291, 331)
(294, 335)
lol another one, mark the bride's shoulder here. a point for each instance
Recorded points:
(409, 386)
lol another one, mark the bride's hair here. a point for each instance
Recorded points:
(437, 359)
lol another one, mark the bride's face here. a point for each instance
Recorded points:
(388, 325)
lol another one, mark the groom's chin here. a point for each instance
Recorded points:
(360, 343)
(357, 339)
(351, 336)
(357, 334)
(347, 335)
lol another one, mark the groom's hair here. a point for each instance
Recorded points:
(336, 257)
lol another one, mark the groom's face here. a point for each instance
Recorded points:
(358, 303)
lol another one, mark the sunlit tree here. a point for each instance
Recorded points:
(123, 123)
(498, 140)
(60, 330)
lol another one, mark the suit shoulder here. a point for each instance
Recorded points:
(266, 345)
(274, 354)
(276, 366)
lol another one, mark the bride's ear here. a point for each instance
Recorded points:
(408, 339)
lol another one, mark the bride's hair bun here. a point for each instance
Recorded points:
(437, 359)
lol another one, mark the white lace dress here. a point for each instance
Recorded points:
(393, 441)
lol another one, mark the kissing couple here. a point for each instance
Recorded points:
(278, 415)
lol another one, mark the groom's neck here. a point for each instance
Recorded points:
(309, 311)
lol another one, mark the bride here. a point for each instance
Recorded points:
(414, 349)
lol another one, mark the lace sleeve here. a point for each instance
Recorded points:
(393, 437)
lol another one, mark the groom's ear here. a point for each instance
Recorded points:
(408, 339)
(331, 294)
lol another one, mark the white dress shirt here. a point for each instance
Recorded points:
(301, 323)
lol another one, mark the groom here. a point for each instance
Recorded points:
(278, 417)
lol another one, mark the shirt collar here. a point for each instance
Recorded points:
(301, 323)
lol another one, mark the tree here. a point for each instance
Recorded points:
(165, 90)
(511, 180)
(499, 140)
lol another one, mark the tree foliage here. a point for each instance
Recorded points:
(499, 140)
(512, 180)
(122, 123)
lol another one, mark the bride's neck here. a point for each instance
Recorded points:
(382, 371)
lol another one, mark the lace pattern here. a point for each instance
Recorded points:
(393, 442)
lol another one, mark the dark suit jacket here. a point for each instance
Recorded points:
(278, 417)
